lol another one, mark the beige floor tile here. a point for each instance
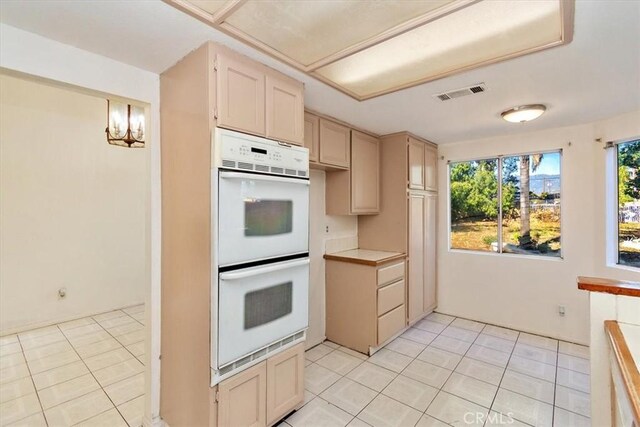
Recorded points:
(574, 363)
(126, 390)
(109, 315)
(573, 400)
(339, 362)
(504, 333)
(353, 353)
(451, 344)
(574, 349)
(110, 418)
(118, 372)
(460, 333)
(16, 389)
(538, 341)
(109, 358)
(127, 328)
(440, 318)
(137, 349)
(11, 360)
(480, 370)
(8, 339)
(468, 324)
(522, 408)
(52, 361)
(17, 409)
(564, 418)
(317, 352)
(574, 380)
(47, 350)
(419, 336)
(427, 373)
(134, 309)
(99, 347)
(76, 323)
(357, 422)
(308, 397)
(83, 330)
(429, 421)
(13, 373)
(133, 411)
(39, 332)
(488, 355)
(317, 378)
(528, 386)
(438, 357)
(404, 346)
(390, 360)
(372, 376)
(141, 359)
(495, 343)
(118, 321)
(35, 420)
(39, 341)
(386, 412)
(533, 368)
(139, 317)
(331, 344)
(471, 389)
(89, 338)
(10, 349)
(59, 375)
(456, 411)
(131, 337)
(78, 410)
(411, 392)
(429, 326)
(68, 390)
(319, 412)
(349, 395)
(498, 419)
(536, 353)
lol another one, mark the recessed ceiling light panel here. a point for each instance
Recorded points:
(523, 113)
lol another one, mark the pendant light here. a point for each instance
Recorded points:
(125, 125)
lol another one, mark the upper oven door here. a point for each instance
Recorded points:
(261, 217)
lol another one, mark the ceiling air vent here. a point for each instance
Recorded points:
(470, 90)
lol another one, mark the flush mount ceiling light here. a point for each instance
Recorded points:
(523, 113)
(370, 48)
(125, 125)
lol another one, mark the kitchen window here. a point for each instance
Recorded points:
(507, 204)
(628, 201)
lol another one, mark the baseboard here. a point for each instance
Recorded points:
(155, 422)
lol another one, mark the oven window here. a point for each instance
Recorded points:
(266, 305)
(267, 217)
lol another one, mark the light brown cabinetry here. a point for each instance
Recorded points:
(312, 136)
(365, 303)
(356, 191)
(334, 144)
(285, 383)
(285, 109)
(407, 219)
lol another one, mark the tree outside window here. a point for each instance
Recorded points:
(628, 154)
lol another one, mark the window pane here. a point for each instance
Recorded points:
(531, 204)
(267, 217)
(474, 205)
(629, 203)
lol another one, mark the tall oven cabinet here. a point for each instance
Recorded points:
(214, 87)
(407, 219)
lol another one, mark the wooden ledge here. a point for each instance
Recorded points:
(628, 368)
(615, 287)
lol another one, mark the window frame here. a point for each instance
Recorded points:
(613, 226)
(499, 159)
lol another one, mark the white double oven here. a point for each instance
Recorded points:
(260, 250)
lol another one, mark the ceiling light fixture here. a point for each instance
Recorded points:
(523, 113)
(125, 125)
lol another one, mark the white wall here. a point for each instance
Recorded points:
(24, 52)
(525, 292)
(72, 209)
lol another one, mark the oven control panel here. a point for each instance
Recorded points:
(235, 150)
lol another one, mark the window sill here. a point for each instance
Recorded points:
(623, 267)
(506, 255)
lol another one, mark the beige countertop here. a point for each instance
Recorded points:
(365, 256)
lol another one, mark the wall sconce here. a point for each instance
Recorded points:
(125, 125)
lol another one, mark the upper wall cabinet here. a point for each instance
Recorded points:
(416, 164)
(431, 168)
(334, 144)
(254, 99)
(312, 136)
(285, 109)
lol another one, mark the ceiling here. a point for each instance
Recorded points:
(596, 76)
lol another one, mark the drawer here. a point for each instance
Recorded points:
(390, 324)
(390, 297)
(391, 273)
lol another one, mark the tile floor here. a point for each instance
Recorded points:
(87, 372)
(444, 369)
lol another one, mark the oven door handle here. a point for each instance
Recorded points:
(236, 275)
(240, 175)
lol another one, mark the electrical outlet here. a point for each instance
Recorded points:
(62, 293)
(326, 229)
(561, 310)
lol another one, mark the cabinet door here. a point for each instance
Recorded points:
(416, 164)
(312, 136)
(285, 109)
(431, 168)
(242, 398)
(240, 95)
(285, 382)
(416, 276)
(430, 252)
(334, 144)
(365, 174)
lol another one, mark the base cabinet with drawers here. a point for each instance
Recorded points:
(365, 298)
(263, 394)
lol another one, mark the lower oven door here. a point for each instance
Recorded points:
(261, 305)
